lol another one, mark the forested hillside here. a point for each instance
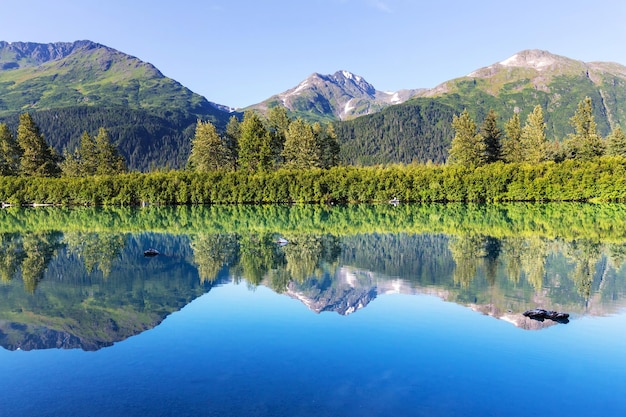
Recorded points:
(147, 139)
(419, 130)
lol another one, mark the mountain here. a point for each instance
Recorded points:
(340, 96)
(516, 84)
(81, 86)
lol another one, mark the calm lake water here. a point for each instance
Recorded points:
(413, 310)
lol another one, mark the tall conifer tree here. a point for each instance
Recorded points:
(9, 152)
(491, 137)
(585, 142)
(533, 136)
(37, 159)
(208, 150)
(512, 150)
(468, 147)
(256, 152)
(616, 142)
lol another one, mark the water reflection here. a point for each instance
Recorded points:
(81, 288)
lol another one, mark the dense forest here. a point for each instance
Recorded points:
(147, 139)
(418, 131)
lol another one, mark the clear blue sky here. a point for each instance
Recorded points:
(240, 52)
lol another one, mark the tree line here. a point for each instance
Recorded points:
(474, 146)
(28, 154)
(602, 179)
(257, 144)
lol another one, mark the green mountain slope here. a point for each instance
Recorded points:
(88, 85)
(516, 84)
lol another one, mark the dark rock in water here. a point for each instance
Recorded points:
(150, 252)
(541, 314)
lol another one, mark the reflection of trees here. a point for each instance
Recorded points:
(585, 253)
(493, 248)
(513, 250)
(11, 256)
(39, 249)
(305, 254)
(525, 256)
(95, 249)
(533, 261)
(617, 254)
(467, 253)
(213, 251)
(257, 257)
(259, 254)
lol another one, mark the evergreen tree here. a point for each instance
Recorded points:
(231, 139)
(88, 152)
(94, 156)
(512, 150)
(37, 159)
(616, 142)
(208, 150)
(72, 164)
(328, 145)
(585, 142)
(533, 137)
(255, 150)
(468, 147)
(9, 152)
(278, 121)
(110, 161)
(301, 147)
(491, 137)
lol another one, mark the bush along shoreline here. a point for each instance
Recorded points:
(600, 180)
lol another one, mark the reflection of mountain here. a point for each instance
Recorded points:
(75, 308)
(501, 278)
(331, 294)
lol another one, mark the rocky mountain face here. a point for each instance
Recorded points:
(339, 96)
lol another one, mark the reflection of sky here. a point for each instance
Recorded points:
(239, 352)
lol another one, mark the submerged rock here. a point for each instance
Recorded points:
(151, 252)
(541, 314)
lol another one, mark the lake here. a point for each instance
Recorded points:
(364, 310)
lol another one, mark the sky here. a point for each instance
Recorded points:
(241, 52)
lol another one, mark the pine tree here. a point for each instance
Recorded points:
(468, 147)
(616, 142)
(328, 145)
(533, 137)
(301, 149)
(94, 156)
(491, 137)
(255, 150)
(88, 155)
(37, 159)
(110, 161)
(512, 150)
(585, 142)
(278, 121)
(231, 139)
(208, 150)
(10, 152)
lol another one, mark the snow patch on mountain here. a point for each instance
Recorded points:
(348, 107)
(538, 60)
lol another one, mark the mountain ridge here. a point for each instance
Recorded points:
(338, 96)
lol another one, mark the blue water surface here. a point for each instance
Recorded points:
(241, 352)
